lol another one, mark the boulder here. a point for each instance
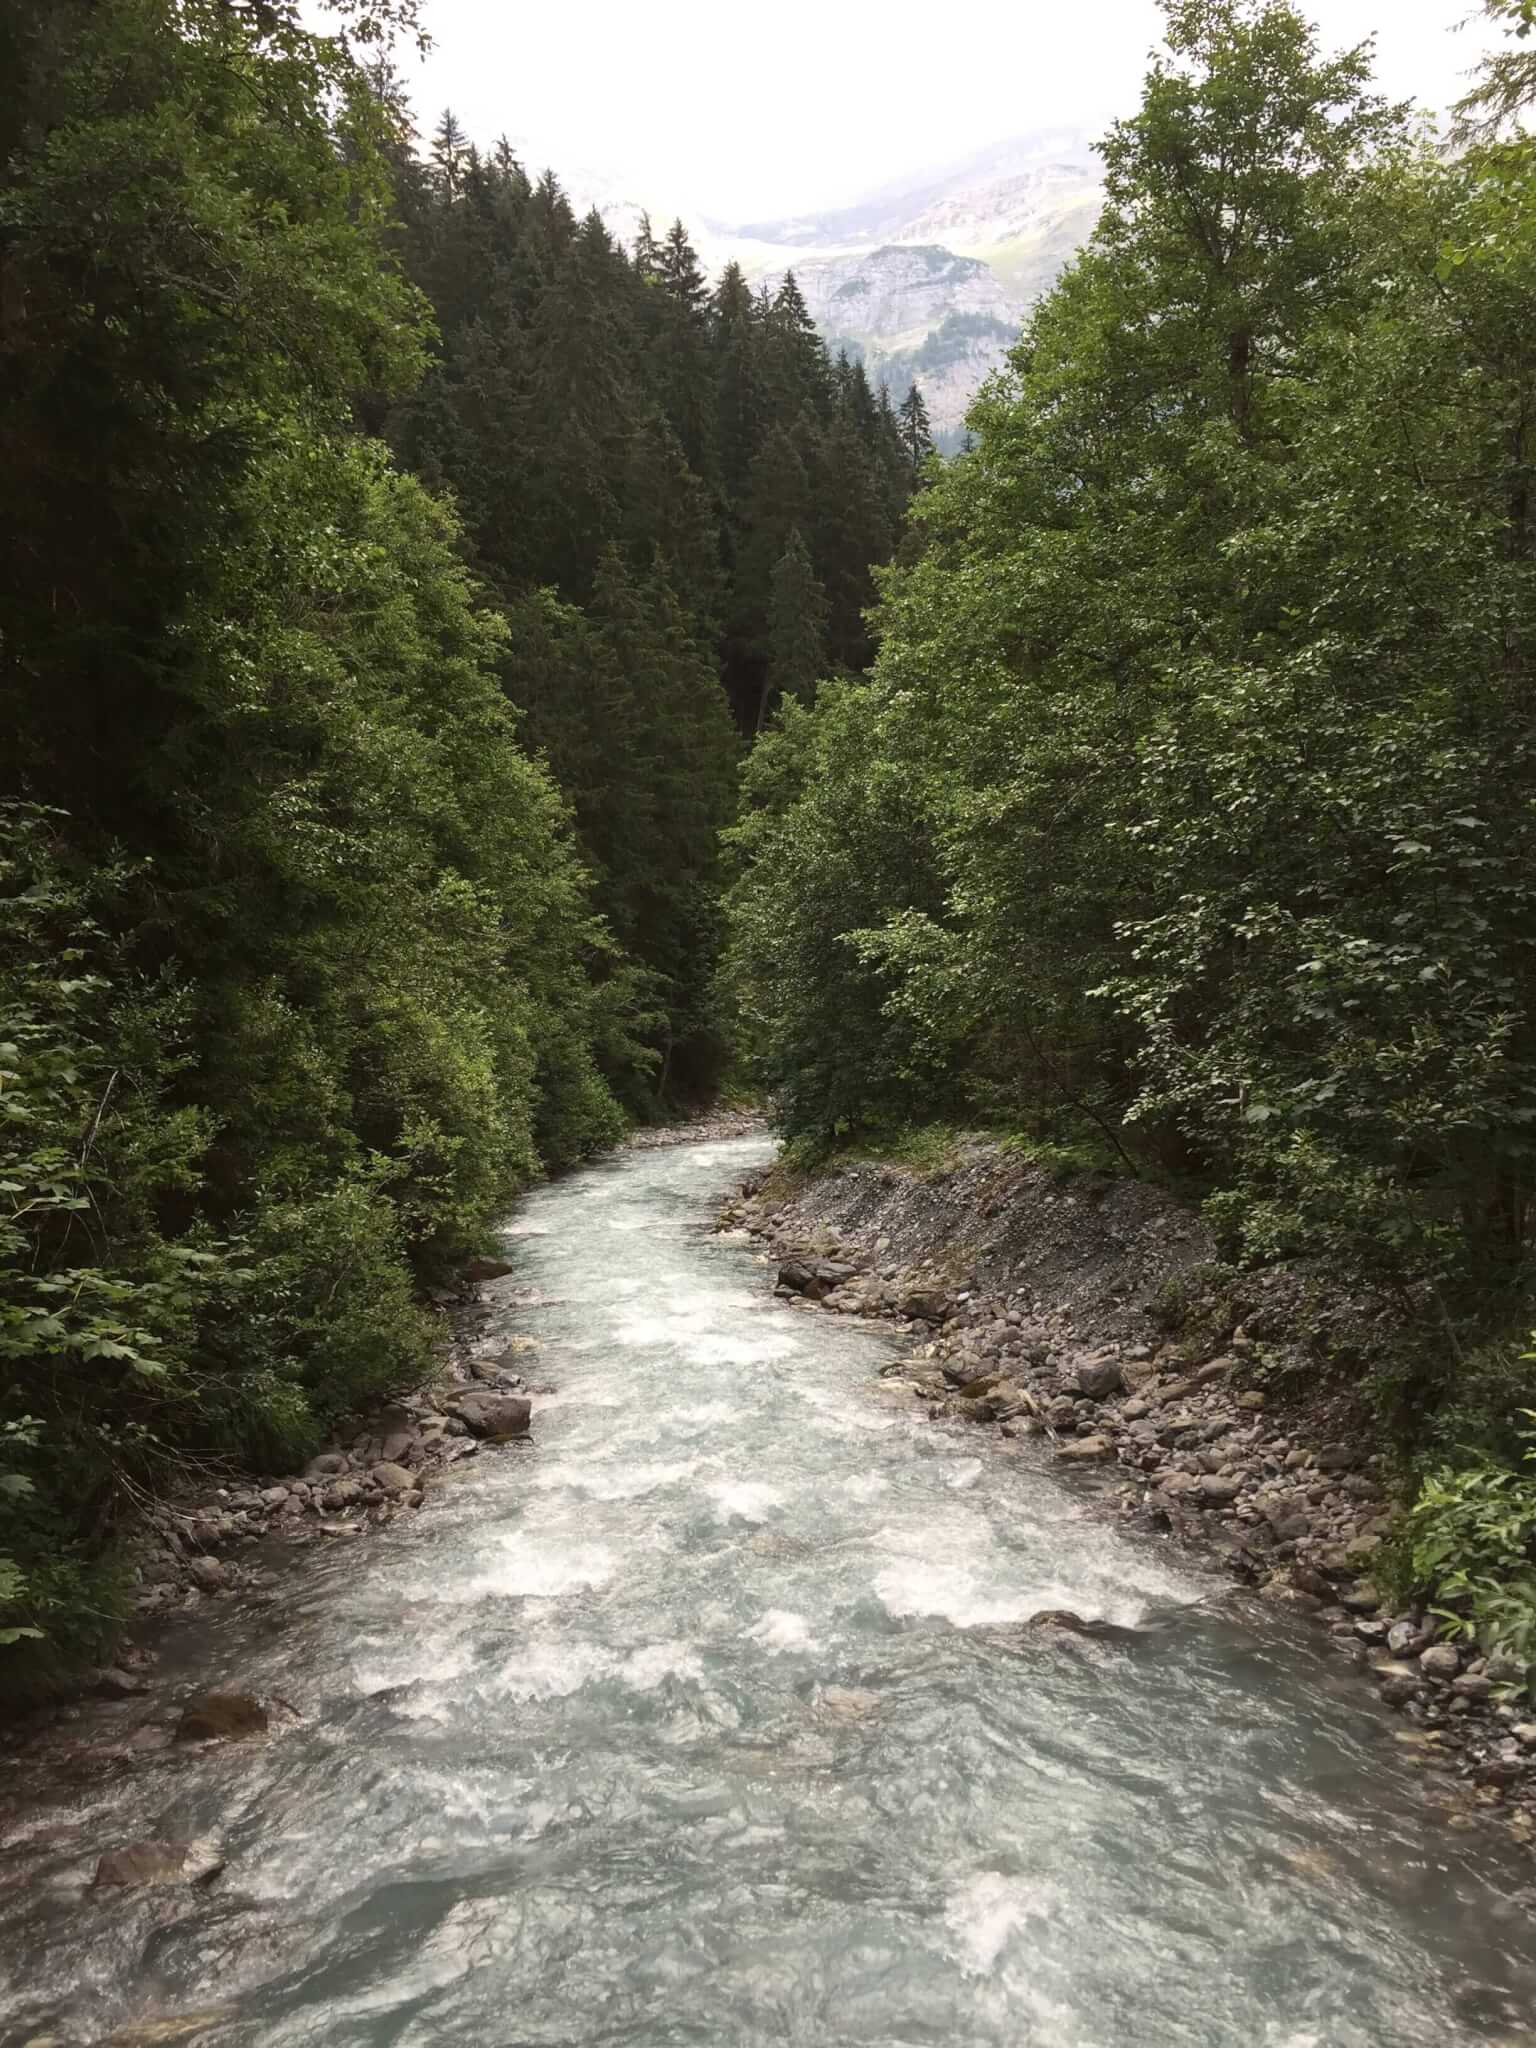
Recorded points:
(1219, 1492)
(222, 1717)
(342, 1493)
(480, 1270)
(142, 1863)
(327, 1463)
(208, 1574)
(1098, 1378)
(394, 1479)
(923, 1304)
(1440, 1660)
(493, 1415)
(1084, 1449)
(814, 1278)
(1360, 1598)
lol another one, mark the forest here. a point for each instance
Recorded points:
(467, 687)
(394, 572)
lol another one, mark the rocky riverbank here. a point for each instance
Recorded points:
(218, 1540)
(1089, 1313)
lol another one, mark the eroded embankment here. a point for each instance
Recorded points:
(1091, 1311)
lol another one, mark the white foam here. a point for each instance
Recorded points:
(536, 1570)
(617, 1482)
(866, 1485)
(984, 1913)
(957, 1592)
(707, 1411)
(744, 1500)
(959, 1477)
(417, 1658)
(779, 1630)
(553, 1670)
(713, 1350)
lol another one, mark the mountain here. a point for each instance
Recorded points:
(914, 313)
(929, 278)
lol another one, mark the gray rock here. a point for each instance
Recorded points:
(1098, 1378)
(1335, 1458)
(273, 1496)
(208, 1574)
(493, 1415)
(1218, 1492)
(398, 1445)
(814, 1278)
(1440, 1660)
(343, 1493)
(1472, 1686)
(1406, 1639)
(394, 1479)
(327, 1463)
(1399, 1683)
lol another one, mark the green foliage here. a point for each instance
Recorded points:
(1202, 703)
(1470, 1540)
(300, 974)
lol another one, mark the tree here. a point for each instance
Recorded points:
(797, 618)
(291, 927)
(916, 438)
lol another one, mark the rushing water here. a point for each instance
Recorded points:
(698, 1723)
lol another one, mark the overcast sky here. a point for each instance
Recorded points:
(733, 111)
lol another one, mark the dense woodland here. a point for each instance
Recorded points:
(452, 706)
(392, 573)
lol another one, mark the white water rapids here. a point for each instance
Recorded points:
(698, 1723)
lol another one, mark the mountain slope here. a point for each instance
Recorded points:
(931, 277)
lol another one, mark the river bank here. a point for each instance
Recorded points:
(1086, 1311)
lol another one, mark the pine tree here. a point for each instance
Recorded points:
(916, 439)
(797, 618)
(450, 152)
(678, 265)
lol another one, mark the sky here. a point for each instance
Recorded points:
(733, 112)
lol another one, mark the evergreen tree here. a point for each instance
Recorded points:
(797, 619)
(916, 438)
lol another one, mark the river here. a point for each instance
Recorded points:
(702, 1721)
